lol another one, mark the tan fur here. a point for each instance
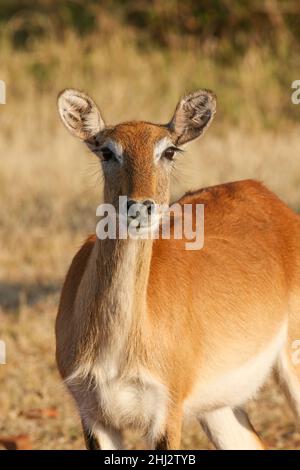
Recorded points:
(148, 332)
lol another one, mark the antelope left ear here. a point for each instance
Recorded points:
(80, 114)
(193, 115)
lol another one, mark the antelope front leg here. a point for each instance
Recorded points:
(102, 438)
(170, 439)
(230, 429)
(91, 443)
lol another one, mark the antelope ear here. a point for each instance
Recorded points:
(193, 115)
(80, 114)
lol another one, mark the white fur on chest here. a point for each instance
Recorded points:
(137, 400)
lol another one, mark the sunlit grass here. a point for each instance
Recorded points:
(50, 185)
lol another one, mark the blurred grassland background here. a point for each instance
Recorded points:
(136, 58)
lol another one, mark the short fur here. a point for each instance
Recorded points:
(148, 332)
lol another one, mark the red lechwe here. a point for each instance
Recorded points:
(149, 332)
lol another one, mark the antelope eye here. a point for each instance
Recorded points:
(107, 154)
(169, 153)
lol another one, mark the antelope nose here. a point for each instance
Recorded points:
(150, 206)
(130, 203)
(138, 207)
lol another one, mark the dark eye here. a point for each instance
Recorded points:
(169, 153)
(107, 154)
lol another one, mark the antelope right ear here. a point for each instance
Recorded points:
(80, 114)
(193, 115)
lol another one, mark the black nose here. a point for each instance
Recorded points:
(130, 203)
(150, 206)
(147, 204)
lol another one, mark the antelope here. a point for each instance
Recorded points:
(149, 333)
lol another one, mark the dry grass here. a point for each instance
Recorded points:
(50, 187)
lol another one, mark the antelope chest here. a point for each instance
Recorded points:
(136, 399)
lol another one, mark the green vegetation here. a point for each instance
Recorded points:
(248, 51)
(164, 23)
(135, 58)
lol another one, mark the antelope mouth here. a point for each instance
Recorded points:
(139, 225)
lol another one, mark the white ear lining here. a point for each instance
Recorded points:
(193, 115)
(80, 114)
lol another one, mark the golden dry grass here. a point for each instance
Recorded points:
(50, 187)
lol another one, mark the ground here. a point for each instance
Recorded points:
(50, 188)
(33, 400)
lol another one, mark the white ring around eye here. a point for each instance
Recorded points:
(115, 147)
(160, 146)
